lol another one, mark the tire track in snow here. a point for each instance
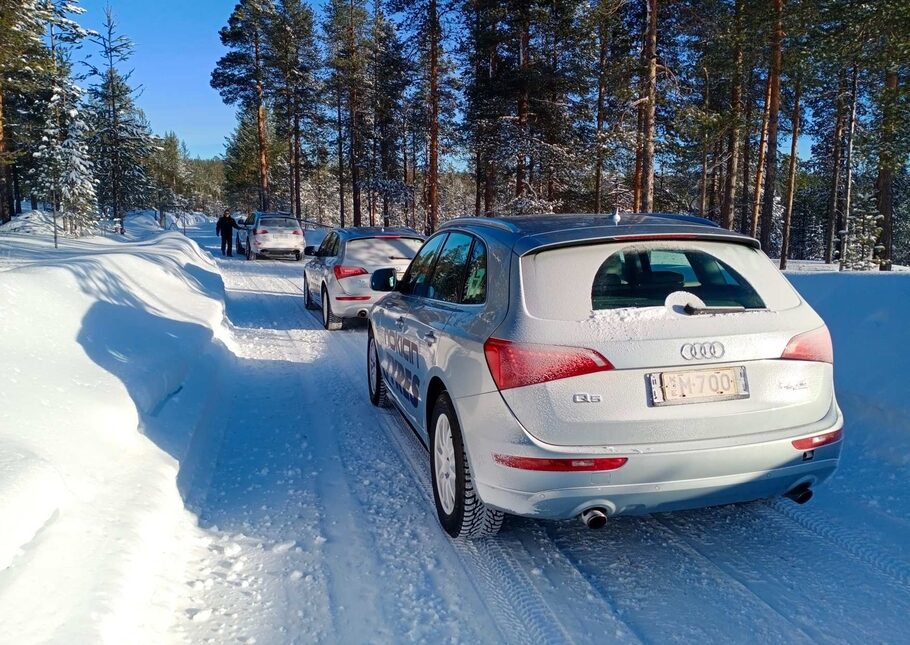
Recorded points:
(848, 541)
(521, 608)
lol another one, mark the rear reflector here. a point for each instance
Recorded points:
(819, 440)
(813, 345)
(351, 298)
(342, 272)
(561, 465)
(520, 364)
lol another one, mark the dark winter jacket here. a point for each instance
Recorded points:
(225, 226)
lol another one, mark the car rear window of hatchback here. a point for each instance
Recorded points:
(279, 222)
(382, 249)
(572, 282)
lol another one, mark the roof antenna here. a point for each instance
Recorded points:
(616, 217)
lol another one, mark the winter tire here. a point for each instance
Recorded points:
(307, 298)
(461, 511)
(329, 320)
(249, 253)
(298, 256)
(378, 392)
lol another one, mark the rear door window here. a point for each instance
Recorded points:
(475, 284)
(448, 277)
(416, 281)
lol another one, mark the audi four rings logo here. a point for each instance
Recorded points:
(702, 351)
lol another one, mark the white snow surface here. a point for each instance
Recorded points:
(187, 456)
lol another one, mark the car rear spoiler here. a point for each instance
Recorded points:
(537, 243)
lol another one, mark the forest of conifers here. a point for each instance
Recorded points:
(786, 119)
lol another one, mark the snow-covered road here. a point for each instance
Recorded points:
(326, 530)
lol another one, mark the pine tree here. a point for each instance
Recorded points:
(120, 139)
(861, 239)
(240, 75)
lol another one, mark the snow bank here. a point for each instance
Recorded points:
(30, 223)
(97, 337)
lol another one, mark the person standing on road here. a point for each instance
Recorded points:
(225, 228)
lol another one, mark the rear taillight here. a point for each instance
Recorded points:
(260, 231)
(296, 233)
(561, 465)
(813, 345)
(819, 440)
(520, 364)
(342, 272)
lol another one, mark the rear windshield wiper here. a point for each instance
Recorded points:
(399, 257)
(692, 310)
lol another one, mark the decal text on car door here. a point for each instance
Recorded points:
(401, 365)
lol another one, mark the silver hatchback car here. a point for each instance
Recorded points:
(561, 366)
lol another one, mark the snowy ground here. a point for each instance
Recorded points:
(313, 516)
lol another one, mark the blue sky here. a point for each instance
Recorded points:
(177, 47)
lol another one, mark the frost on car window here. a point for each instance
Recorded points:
(640, 277)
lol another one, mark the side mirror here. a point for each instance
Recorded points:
(384, 280)
(310, 250)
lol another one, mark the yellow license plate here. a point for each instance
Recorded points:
(697, 386)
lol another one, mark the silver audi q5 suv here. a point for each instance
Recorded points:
(561, 366)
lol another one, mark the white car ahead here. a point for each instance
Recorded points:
(337, 275)
(271, 234)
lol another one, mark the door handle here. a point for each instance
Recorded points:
(429, 338)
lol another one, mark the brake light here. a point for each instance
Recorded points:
(342, 272)
(520, 364)
(561, 465)
(819, 440)
(260, 231)
(296, 232)
(813, 345)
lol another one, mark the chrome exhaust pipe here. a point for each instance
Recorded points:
(801, 494)
(594, 518)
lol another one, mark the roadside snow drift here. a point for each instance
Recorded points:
(94, 338)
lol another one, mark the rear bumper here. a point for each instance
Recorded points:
(655, 478)
(352, 308)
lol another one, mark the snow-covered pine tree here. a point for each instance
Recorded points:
(860, 240)
(121, 139)
(64, 173)
(63, 170)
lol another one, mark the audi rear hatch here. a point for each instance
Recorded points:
(660, 341)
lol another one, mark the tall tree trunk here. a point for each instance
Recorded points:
(297, 196)
(639, 153)
(886, 166)
(744, 225)
(760, 165)
(291, 170)
(524, 53)
(340, 133)
(791, 175)
(650, 110)
(848, 191)
(703, 201)
(354, 127)
(6, 210)
(831, 221)
(604, 45)
(727, 216)
(261, 138)
(433, 162)
(489, 190)
(777, 36)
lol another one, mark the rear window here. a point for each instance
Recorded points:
(573, 282)
(279, 222)
(637, 277)
(380, 251)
